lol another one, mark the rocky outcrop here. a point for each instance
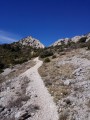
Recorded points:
(30, 41)
(73, 39)
(60, 41)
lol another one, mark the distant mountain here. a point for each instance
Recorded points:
(30, 41)
(75, 39)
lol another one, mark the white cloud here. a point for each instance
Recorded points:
(7, 37)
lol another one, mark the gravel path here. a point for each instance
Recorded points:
(40, 97)
(47, 108)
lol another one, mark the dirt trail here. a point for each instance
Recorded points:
(48, 110)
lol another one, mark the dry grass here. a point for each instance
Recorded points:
(51, 69)
(21, 95)
(55, 73)
(66, 70)
(59, 92)
(88, 104)
(63, 116)
(52, 75)
(18, 102)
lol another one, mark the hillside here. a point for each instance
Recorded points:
(75, 39)
(67, 77)
(30, 41)
(50, 83)
(19, 52)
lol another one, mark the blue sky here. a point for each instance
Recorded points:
(46, 20)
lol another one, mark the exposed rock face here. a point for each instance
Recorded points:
(76, 38)
(73, 39)
(88, 37)
(30, 41)
(60, 41)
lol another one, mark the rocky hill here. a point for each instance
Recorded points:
(75, 39)
(30, 41)
(19, 52)
(64, 79)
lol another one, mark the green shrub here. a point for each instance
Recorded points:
(54, 56)
(82, 40)
(62, 43)
(61, 49)
(1, 65)
(46, 53)
(15, 53)
(82, 45)
(47, 60)
(88, 45)
(1, 70)
(70, 44)
(19, 61)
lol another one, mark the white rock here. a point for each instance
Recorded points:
(76, 38)
(87, 39)
(67, 82)
(73, 39)
(6, 71)
(19, 114)
(30, 41)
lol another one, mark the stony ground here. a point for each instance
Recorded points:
(67, 78)
(15, 71)
(25, 97)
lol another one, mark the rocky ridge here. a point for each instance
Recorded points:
(30, 41)
(74, 39)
